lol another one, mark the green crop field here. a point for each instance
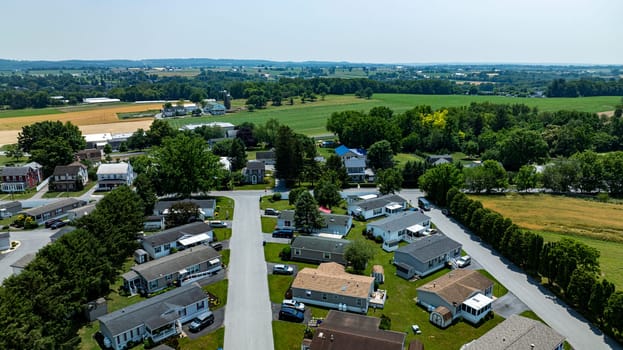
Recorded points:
(28, 112)
(310, 118)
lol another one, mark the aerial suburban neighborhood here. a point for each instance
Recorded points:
(359, 176)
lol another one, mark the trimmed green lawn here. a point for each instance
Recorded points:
(267, 202)
(288, 335)
(28, 112)
(278, 285)
(224, 208)
(225, 253)
(268, 224)
(401, 158)
(222, 234)
(17, 196)
(218, 289)
(498, 289)
(270, 183)
(212, 340)
(61, 194)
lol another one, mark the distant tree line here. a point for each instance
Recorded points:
(515, 135)
(585, 87)
(570, 267)
(44, 306)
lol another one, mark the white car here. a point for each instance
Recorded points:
(293, 304)
(463, 261)
(218, 223)
(281, 269)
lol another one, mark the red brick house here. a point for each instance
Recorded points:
(19, 179)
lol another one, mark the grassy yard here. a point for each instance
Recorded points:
(288, 335)
(18, 196)
(277, 286)
(267, 202)
(268, 224)
(51, 194)
(218, 289)
(224, 208)
(213, 340)
(225, 254)
(222, 234)
(402, 158)
(270, 183)
(28, 112)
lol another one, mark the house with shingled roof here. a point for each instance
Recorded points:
(330, 286)
(405, 226)
(347, 331)
(378, 206)
(425, 255)
(517, 332)
(462, 294)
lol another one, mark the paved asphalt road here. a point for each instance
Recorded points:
(578, 331)
(248, 314)
(31, 241)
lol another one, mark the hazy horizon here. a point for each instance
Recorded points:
(530, 32)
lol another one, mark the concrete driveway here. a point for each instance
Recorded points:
(579, 332)
(219, 319)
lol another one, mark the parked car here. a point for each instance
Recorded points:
(283, 233)
(51, 222)
(217, 246)
(463, 261)
(290, 314)
(218, 223)
(201, 321)
(271, 211)
(281, 269)
(293, 304)
(58, 224)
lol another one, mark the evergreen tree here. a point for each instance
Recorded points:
(237, 155)
(306, 214)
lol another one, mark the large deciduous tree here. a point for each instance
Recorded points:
(380, 155)
(50, 152)
(521, 147)
(358, 253)
(438, 180)
(37, 132)
(389, 180)
(327, 193)
(185, 165)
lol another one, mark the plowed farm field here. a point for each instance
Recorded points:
(91, 121)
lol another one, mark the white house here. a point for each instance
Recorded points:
(113, 175)
(371, 208)
(399, 227)
(159, 244)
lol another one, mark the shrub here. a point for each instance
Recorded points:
(386, 323)
(378, 239)
(285, 253)
(309, 333)
(276, 196)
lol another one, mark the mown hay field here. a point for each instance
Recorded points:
(560, 214)
(598, 225)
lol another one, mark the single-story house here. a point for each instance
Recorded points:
(159, 244)
(77, 213)
(438, 159)
(331, 287)
(399, 227)
(385, 205)
(458, 294)
(157, 318)
(5, 241)
(347, 331)
(93, 155)
(21, 263)
(112, 175)
(318, 250)
(153, 223)
(21, 178)
(177, 269)
(266, 157)
(214, 108)
(9, 209)
(518, 332)
(254, 172)
(207, 207)
(333, 224)
(425, 255)
(53, 210)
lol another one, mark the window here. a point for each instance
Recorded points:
(327, 255)
(201, 305)
(297, 251)
(287, 223)
(324, 296)
(194, 268)
(169, 277)
(153, 284)
(167, 246)
(308, 293)
(158, 249)
(377, 211)
(359, 302)
(131, 333)
(118, 340)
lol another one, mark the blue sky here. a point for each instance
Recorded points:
(389, 31)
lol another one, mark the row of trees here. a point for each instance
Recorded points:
(568, 265)
(43, 307)
(585, 87)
